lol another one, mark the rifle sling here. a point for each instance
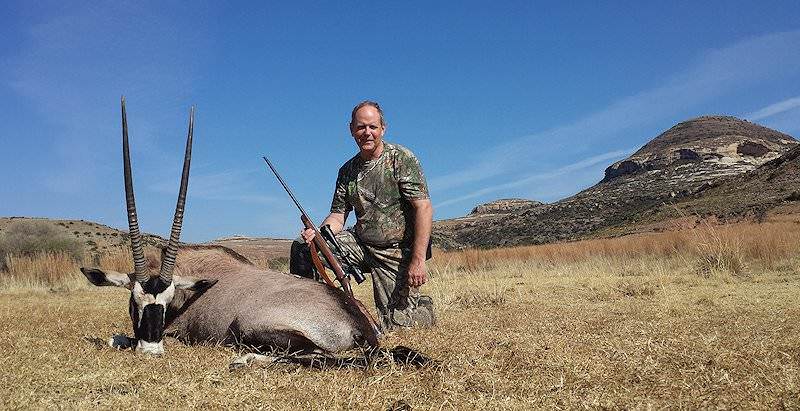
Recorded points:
(319, 266)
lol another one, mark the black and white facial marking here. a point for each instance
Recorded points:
(148, 303)
(148, 306)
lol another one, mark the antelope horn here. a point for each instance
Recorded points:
(133, 222)
(168, 263)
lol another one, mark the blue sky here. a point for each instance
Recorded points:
(498, 99)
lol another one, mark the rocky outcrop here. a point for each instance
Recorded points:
(680, 164)
(728, 146)
(508, 205)
(774, 183)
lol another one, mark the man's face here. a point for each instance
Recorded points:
(367, 130)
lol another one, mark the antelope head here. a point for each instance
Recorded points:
(150, 294)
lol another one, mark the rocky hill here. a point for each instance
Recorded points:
(99, 239)
(504, 206)
(96, 238)
(707, 147)
(682, 164)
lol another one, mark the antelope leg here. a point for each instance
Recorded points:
(248, 358)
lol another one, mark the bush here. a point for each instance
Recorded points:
(279, 264)
(32, 237)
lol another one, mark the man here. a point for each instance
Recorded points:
(385, 186)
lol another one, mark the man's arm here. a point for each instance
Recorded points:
(335, 220)
(423, 220)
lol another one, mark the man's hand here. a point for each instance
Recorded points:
(417, 274)
(335, 220)
(308, 235)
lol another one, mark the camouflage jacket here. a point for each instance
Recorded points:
(379, 191)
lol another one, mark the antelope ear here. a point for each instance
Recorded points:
(191, 283)
(101, 277)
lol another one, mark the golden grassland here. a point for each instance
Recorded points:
(698, 318)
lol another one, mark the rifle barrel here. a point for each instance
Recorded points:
(326, 251)
(285, 187)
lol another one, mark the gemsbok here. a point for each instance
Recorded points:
(213, 294)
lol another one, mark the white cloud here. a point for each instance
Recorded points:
(570, 168)
(714, 73)
(72, 67)
(773, 109)
(229, 185)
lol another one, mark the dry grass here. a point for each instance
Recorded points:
(711, 247)
(627, 325)
(58, 271)
(55, 271)
(120, 260)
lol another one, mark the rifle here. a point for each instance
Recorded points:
(319, 243)
(351, 270)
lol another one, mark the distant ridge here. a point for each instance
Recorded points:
(507, 205)
(99, 239)
(681, 164)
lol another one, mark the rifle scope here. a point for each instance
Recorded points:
(349, 268)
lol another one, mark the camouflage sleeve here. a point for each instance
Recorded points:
(410, 178)
(339, 203)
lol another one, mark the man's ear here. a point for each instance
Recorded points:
(191, 283)
(100, 277)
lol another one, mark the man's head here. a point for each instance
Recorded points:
(367, 126)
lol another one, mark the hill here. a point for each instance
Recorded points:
(99, 239)
(680, 165)
(262, 251)
(96, 238)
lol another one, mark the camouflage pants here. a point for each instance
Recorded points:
(398, 304)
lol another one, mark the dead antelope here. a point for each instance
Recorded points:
(214, 294)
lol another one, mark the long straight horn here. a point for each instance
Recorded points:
(168, 263)
(133, 222)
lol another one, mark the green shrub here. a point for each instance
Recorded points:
(279, 264)
(33, 237)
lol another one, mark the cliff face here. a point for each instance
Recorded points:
(679, 165)
(776, 182)
(709, 146)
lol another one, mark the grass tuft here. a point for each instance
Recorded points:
(55, 271)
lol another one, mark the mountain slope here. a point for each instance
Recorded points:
(680, 163)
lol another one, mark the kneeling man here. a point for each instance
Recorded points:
(385, 186)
